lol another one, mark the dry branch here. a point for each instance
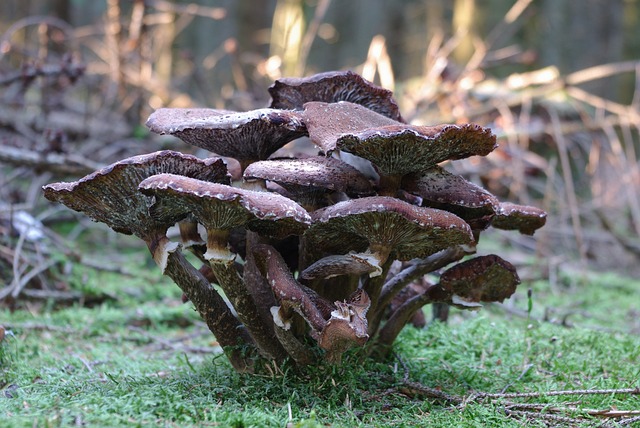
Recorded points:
(69, 164)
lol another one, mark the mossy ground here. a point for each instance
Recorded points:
(145, 359)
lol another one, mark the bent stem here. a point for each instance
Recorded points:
(236, 291)
(231, 335)
(389, 332)
(416, 270)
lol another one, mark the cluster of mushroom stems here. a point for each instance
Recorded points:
(312, 254)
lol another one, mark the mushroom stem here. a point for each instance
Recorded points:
(389, 332)
(189, 234)
(296, 349)
(236, 291)
(231, 335)
(416, 270)
(217, 250)
(373, 287)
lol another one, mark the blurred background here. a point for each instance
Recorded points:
(558, 81)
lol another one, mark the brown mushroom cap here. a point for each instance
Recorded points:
(481, 279)
(345, 329)
(342, 264)
(317, 172)
(441, 189)
(326, 122)
(110, 195)
(331, 87)
(385, 224)
(219, 206)
(394, 148)
(523, 218)
(251, 136)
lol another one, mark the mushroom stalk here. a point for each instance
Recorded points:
(417, 270)
(301, 354)
(389, 332)
(235, 290)
(210, 305)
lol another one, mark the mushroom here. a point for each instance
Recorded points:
(481, 279)
(336, 326)
(395, 149)
(110, 195)
(381, 228)
(330, 87)
(348, 264)
(385, 227)
(309, 180)
(219, 208)
(247, 137)
(441, 189)
(522, 218)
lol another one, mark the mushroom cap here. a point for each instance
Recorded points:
(326, 122)
(249, 135)
(330, 87)
(523, 218)
(441, 189)
(219, 206)
(394, 148)
(481, 279)
(316, 171)
(110, 195)
(408, 231)
(342, 264)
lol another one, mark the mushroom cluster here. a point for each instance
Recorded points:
(314, 254)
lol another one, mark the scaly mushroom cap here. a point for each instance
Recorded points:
(481, 279)
(220, 206)
(523, 218)
(394, 148)
(343, 264)
(110, 195)
(441, 189)
(331, 87)
(248, 136)
(316, 172)
(385, 224)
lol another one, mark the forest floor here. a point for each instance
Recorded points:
(567, 356)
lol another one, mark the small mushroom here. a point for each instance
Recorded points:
(336, 326)
(481, 279)
(309, 180)
(220, 208)
(110, 195)
(465, 285)
(330, 87)
(441, 189)
(347, 264)
(345, 329)
(523, 218)
(395, 149)
(247, 137)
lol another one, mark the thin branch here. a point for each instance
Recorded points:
(57, 163)
(631, 391)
